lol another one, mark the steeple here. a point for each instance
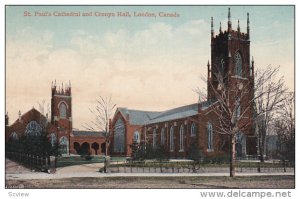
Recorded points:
(238, 28)
(220, 27)
(248, 25)
(212, 27)
(229, 20)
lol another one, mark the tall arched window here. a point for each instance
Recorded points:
(172, 139)
(162, 136)
(136, 137)
(181, 141)
(238, 64)
(53, 139)
(240, 145)
(64, 145)
(119, 136)
(193, 130)
(154, 139)
(62, 110)
(209, 136)
(237, 111)
(33, 129)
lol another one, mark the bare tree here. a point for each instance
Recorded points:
(102, 112)
(285, 127)
(233, 103)
(270, 99)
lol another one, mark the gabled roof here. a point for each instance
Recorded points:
(176, 113)
(32, 114)
(19, 126)
(88, 133)
(138, 117)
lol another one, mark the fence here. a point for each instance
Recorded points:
(177, 167)
(33, 162)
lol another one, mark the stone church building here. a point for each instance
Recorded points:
(175, 130)
(58, 126)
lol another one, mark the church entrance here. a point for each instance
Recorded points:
(64, 145)
(240, 145)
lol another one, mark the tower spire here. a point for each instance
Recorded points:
(248, 25)
(229, 20)
(220, 27)
(212, 27)
(238, 28)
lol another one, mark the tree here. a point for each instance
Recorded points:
(102, 112)
(233, 100)
(285, 127)
(270, 97)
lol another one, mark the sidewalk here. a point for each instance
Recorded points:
(104, 175)
(91, 171)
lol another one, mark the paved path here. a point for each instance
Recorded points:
(91, 170)
(12, 167)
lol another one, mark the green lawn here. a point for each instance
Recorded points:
(79, 160)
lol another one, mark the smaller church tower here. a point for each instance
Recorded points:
(61, 113)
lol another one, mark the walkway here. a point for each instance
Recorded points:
(91, 170)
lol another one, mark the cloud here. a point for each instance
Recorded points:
(154, 68)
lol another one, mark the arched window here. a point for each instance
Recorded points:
(162, 136)
(193, 130)
(62, 110)
(14, 136)
(119, 136)
(209, 136)
(136, 137)
(240, 145)
(238, 64)
(154, 139)
(53, 139)
(237, 111)
(33, 129)
(181, 142)
(64, 145)
(172, 139)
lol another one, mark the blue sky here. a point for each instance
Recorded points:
(144, 63)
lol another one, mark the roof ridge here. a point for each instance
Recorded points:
(30, 110)
(170, 110)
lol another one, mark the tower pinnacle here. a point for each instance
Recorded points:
(248, 25)
(212, 27)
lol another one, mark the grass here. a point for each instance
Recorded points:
(205, 165)
(79, 160)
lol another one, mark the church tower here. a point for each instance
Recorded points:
(61, 114)
(230, 57)
(231, 72)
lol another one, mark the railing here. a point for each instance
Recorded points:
(33, 162)
(178, 167)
